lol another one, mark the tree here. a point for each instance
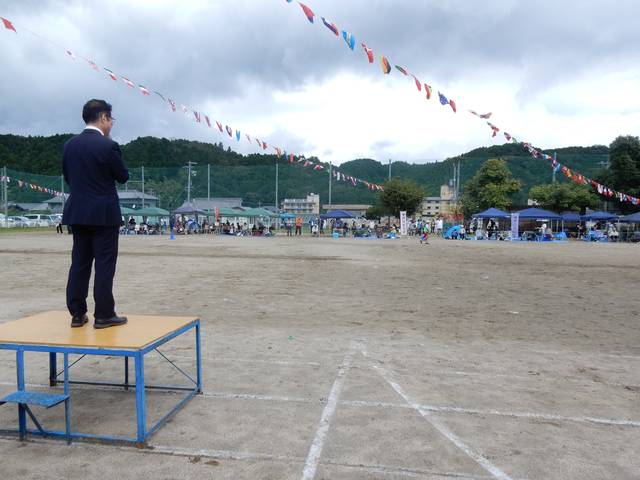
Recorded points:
(560, 197)
(624, 166)
(492, 186)
(401, 194)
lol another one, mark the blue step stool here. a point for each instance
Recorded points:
(24, 398)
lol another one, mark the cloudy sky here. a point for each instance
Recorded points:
(552, 73)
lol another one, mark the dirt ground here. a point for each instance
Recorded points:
(354, 359)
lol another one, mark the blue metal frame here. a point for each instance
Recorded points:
(143, 431)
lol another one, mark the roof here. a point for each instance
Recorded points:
(134, 194)
(217, 202)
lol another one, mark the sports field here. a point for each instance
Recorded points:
(354, 359)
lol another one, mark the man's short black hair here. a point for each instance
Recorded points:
(93, 108)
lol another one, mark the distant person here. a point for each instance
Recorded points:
(298, 226)
(91, 164)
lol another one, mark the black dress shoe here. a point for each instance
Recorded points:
(79, 321)
(109, 322)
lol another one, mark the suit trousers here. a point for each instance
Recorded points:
(99, 243)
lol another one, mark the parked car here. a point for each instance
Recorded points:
(19, 222)
(39, 220)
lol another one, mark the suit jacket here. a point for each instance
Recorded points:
(91, 164)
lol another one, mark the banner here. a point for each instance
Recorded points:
(515, 220)
(403, 222)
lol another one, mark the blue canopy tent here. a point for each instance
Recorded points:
(491, 213)
(538, 214)
(337, 214)
(570, 217)
(600, 216)
(285, 216)
(633, 218)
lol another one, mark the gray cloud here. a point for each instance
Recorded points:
(232, 56)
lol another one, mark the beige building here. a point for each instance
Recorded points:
(302, 206)
(437, 206)
(357, 209)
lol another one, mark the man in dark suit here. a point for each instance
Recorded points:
(91, 165)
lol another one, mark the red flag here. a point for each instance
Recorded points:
(111, 74)
(128, 82)
(229, 131)
(369, 53)
(418, 83)
(219, 125)
(307, 11)
(318, 167)
(8, 25)
(144, 90)
(206, 119)
(453, 106)
(92, 63)
(307, 163)
(264, 145)
(291, 158)
(427, 88)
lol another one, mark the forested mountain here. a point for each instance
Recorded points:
(252, 177)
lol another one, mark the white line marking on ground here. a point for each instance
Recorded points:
(438, 425)
(365, 403)
(315, 450)
(249, 456)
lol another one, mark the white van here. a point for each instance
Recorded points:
(38, 220)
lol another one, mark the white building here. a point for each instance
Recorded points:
(437, 206)
(302, 206)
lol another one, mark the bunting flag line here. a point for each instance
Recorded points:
(197, 116)
(386, 69)
(33, 186)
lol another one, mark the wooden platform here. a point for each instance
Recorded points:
(54, 328)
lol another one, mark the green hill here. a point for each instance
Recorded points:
(252, 177)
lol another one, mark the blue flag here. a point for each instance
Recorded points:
(443, 99)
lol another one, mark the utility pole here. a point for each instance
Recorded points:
(553, 175)
(189, 163)
(389, 169)
(62, 191)
(208, 184)
(330, 178)
(5, 196)
(142, 186)
(277, 209)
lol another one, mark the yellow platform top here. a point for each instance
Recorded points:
(54, 328)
